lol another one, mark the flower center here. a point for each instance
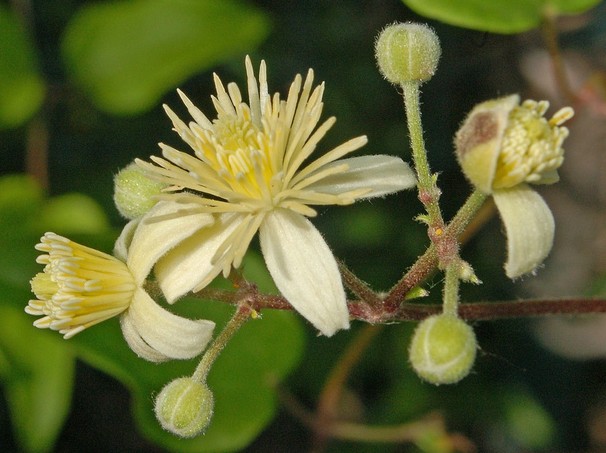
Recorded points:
(79, 286)
(531, 149)
(239, 152)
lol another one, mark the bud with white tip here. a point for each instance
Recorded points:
(185, 407)
(443, 349)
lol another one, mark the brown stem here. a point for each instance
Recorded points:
(477, 311)
(36, 151)
(492, 311)
(358, 287)
(550, 35)
(427, 263)
(328, 403)
(406, 432)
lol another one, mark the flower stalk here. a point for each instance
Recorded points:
(426, 182)
(243, 314)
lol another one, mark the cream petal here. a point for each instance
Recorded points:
(136, 343)
(190, 263)
(381, 174)
(158, 233)
(123, 242)
(529, 226)
(304, 269)
(156, 334)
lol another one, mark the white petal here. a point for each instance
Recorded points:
(123, 242)
(156, 334)
(529, 226)
(381, 174)
(304, 269)
(189, 264)
(154, 237)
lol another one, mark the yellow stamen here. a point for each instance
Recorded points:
(79, 286)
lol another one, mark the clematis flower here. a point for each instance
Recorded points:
(251, 167)
(81, 287)
(502, 147)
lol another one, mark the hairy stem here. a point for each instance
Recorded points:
(427, 263)
(428, 190)
(242, 315)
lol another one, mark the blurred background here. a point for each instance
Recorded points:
(81, 88)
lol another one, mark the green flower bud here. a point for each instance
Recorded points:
(407, 52)
(134, 192)
(185, 407)
(443, 349)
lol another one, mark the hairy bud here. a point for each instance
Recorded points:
(134, 192)
(407, 52)
(443, 349)
(185, 407)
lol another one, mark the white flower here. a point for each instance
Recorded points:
(81, 287)
(502, 147)
(251, 168)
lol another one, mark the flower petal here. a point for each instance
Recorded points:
(190, 263)
(162, 228)
(529, 226)
(156, 334)
(304, 269)
(381, 174)
(124, 240)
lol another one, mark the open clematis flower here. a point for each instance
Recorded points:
(502, 147)
(251, 168)
(81, 287)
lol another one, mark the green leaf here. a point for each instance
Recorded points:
(21, 86)
(127, 54)
(74, 213)
(262, 352)
(527, 421)
(25, 215)
(497, 16)
(37, 373)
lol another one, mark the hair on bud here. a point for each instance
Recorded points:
(407, 52)
(443, 349)
(184, 407)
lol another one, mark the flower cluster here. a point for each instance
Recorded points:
(193, 215)
(251, 170)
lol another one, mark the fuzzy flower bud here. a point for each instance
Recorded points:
(407, 52)
(134, 191)
(443, 349)
(185, 407)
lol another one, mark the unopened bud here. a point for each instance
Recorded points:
(443, 349)
(134, 192)
(407, 52)
(185, 407)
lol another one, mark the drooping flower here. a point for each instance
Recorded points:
(251, 168)
(502, 147)
(81, 287)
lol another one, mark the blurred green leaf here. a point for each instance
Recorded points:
(127, 54)
(37, 376)
(74, 213)
(262, 352)
(528, 423)
(497, 16)
(21, 87)
(36, 367)
(25, 215)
